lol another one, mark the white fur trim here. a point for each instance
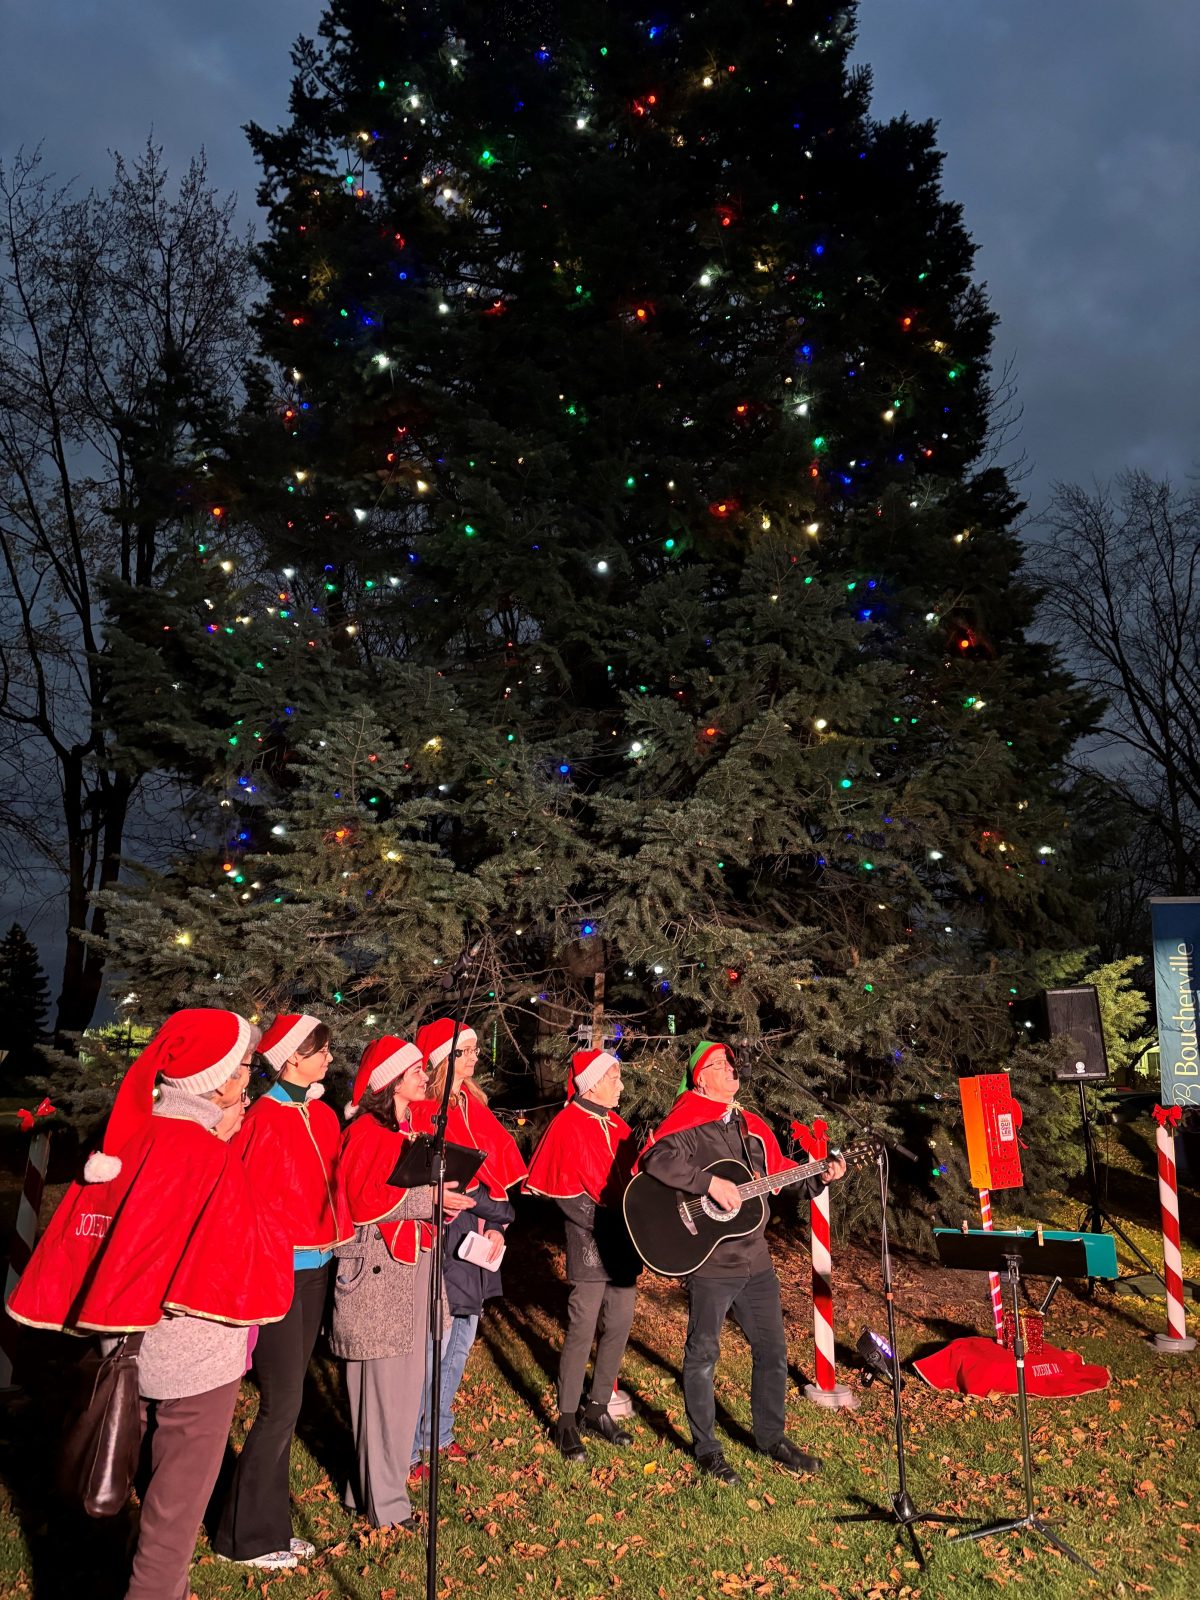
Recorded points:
(594, 1071)
(465, 1036)
(349, 1110)
(101, 1168)
(291, 1041)
(315, 1091)
(391, 1067)
(221, 1071)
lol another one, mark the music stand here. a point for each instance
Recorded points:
(900, 1509)
(1012, 1254)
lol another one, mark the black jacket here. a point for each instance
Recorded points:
(680, 1160)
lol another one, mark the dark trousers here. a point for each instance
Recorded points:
(758, 1312)
(257, 1515)
(602, 1308)
(185, 1440)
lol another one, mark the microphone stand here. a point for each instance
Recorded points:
(901, 1509)
(437, 1261)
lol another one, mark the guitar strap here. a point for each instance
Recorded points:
(741, 1130)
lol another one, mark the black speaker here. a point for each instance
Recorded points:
(1077, 1012)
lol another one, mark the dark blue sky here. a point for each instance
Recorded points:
(1071, 137)
(1070, 132)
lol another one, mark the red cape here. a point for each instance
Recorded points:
(981, 1366)
(469, 1121)
(290, 1151)
(369, 1153)
(582, 1153)
(693, 1109)
(179, 1228)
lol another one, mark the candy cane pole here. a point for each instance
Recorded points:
(21, 1248)
(1176, 1340)
(985, 1211)
(827, 1391)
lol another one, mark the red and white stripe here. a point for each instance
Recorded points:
(1168, 1198)
(23, 1240)
(985, 1211)
(822, 1291)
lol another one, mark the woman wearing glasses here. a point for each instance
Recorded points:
(290, 1145)
(165, 1236)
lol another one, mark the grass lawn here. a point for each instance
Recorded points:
(1118, 1472)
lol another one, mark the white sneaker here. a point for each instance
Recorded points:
(273, 1561)
(302, 1549)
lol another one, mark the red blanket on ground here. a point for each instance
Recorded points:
(981, 1367)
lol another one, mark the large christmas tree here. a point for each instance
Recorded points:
(645, 603)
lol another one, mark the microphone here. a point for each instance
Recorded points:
(461, 966)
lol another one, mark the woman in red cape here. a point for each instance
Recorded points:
(165, 1236)
(289, 1145)
(381, 1293)
(470, 1122)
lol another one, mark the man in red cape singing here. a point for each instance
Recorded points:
(583, 1164)
(703, 1126)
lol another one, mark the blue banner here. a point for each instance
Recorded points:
(1175, 927)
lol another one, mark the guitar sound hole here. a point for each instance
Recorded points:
(711, 1209)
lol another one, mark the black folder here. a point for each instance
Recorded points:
(415, 1166)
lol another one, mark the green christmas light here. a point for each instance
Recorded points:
(846, 783)
(487, 159)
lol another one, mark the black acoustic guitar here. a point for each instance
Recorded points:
(674, 1233)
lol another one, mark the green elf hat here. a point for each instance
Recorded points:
(698, 1059)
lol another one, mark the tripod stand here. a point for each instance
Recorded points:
(1095, 1215)
(1061, 1257)
(901, 1509)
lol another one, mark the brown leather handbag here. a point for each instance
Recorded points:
(104, 1435)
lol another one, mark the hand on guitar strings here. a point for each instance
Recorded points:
(723, 1192)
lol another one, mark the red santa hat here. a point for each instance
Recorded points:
(383, 1061)
(587, 1068)
(285, 1036)
(196, 1050)
(435, 1038)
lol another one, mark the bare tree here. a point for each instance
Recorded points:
(122, 333)
(1121, 573)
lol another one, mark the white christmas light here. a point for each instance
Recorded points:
(602, 566)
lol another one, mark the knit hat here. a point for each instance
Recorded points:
(196, 1050)
(285, 1036)
(587, 1068)
(383, 1061)
(701, 1057)
(435, 1038)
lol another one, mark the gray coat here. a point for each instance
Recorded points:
(373, 1293)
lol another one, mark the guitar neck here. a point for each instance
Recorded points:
(780, 1180)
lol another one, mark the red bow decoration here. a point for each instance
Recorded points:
(1168, 1116)
(812, 1141)
(27, 1118)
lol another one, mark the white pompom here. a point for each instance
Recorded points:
(101, 1168)
(350, 1111)
(315, 1091)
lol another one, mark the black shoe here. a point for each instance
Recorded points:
(594, 1418)
(716, 1466)
(787, 1455)
(566, 1437)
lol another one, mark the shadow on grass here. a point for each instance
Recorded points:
(69, 1553)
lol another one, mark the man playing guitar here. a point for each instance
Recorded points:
(706, 1125)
